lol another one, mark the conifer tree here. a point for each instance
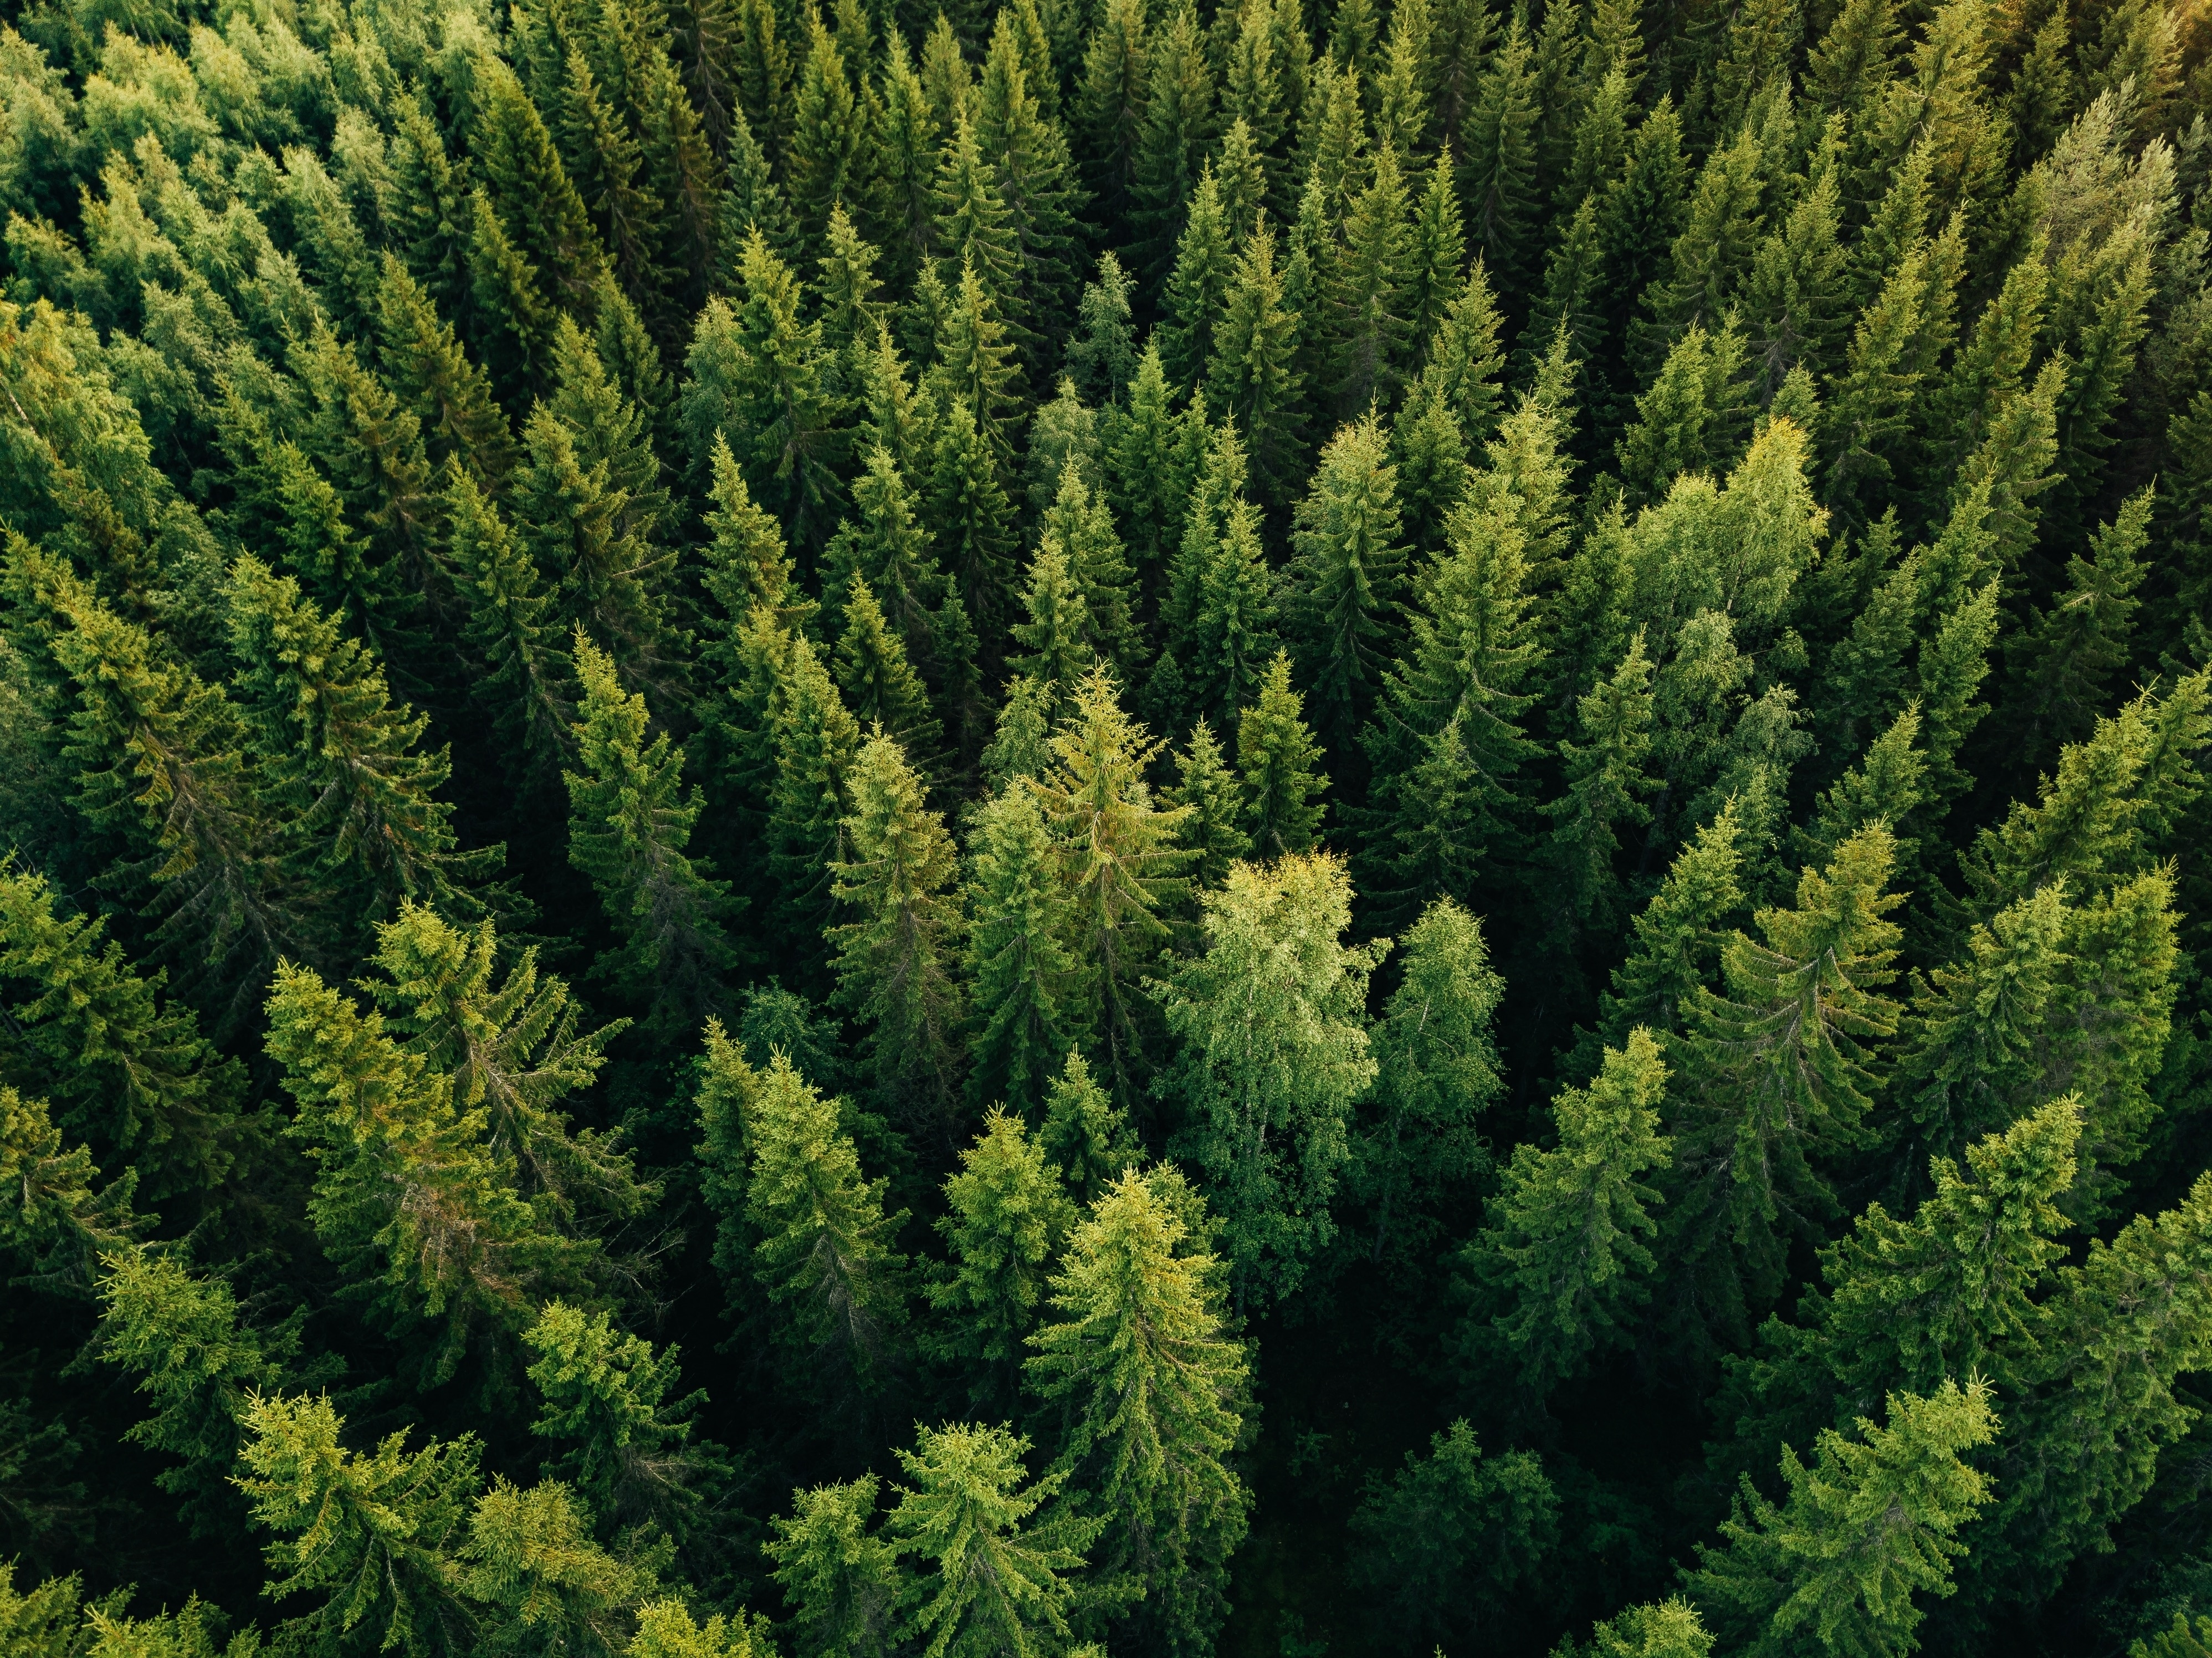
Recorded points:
(824, 1254)
(1871, 1523)
(629, 828)
(1436, 1069)
(410, 1203)
(198, 1362)
(1207, 790)
(450, 395)
(1119, 866)
(1196, 287)
(1231, 634)
(894, 961)
(1604, 776)
(1020, 971)
(1274, 1054)
(511, 1046)
(994, 1553)
(1110, 100)
(122, 1065)
(1086, 1137)
(1777, 1074)
(1497, 174)
(1155, 1393)
(1005, 1218)
(1276, 757)
(844, 1582)
(1081, 523)
(1102, 356)
(1035, 175)
(629, 1451)
(1450, 1533)
(369, 1531)
(513, 626)
(1569, 1250)
(1177, 123)
(815, 742)
(1056, 651)
(341, 756)
(972, 517)
(1253, 377)
(1370, 286)
(1343, 585)
(55, 1223)
(880, 686)
(2062, 665)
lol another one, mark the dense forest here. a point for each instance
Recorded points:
(1110, 827)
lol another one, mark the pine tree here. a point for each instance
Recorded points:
(1005, 1218)
(528, 194)
(1450, 1533)
(629, 1451)
(369, 1531)
(970, 514)
(994, 1557)
(824, 1254)
(827, 162)
(1035, 174)
(629, 824)
(2062, 665)
(1497, 174)
(1079, 522)
(542, 1582)
(1103, 357)
(815, 740)
(1436, 1069)
(1119, 866)
(1568, 1251)
(1274, 1054)
(1111, 103)
(1344, 583)
(894, 961)
(1177, 123)
(1154, 1391)
(410, 1203)
(55, 1223)
(1369, 287)
(447, 393)
(1231, 632)
(1276, 756)
(342, 758)
(1020, 971)
(1670, 1629)
(1872, 1522)
(124, 1067)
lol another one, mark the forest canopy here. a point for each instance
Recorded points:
(830, 830)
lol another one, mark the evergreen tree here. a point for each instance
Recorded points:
(1084, 1133)
(513, 629)
(993, 1567)
(369, 1531)
(1604, 776)
(1276, 756)
(1154, 1393)
(1119, 866)
(410, 1203)
(1253, 377)
(1207, 790)
(844, 1582)
(1274, 1054)
(1450, 1533)
(1056, 653)
(893, 961)
(1019, 968)
(880, 686)
(1344, 583)
(1176, 124)
(1872, 1522)
(122, 1065)
(630, 1454)
(629, 826)
(824, 1254)
(1497, 174)
(1437, 1070)
(1196, 287)
(1565, 1252)
(1005, 1218)
(341, 756)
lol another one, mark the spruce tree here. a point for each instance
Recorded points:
(1020, 971)
(628, 1450)
(1437, 1070)
(1207, 790)
(824, 1254)
(1086, 1137)
(1569, 1251)
(1343, 585)
(1605, 776)
(1056, 653)
(514, 628)
(1120, 867)
(369, 1531)
(1196, 287)
(880, 686)
(1253, 377)
(629, 828)
(994, 1556)
(1276, 761)
(410, 1203)
(1153, 1389)
(1005, 1218)
(1274, 1053)
(894, 961)
(124, 1066)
